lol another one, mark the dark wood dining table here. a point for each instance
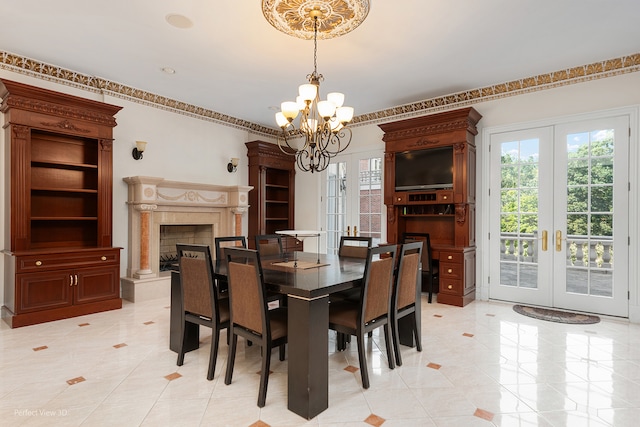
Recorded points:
(307, 289)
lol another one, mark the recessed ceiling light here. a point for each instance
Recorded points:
(179, 21)
(168, 70)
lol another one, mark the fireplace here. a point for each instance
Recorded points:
(193, 212)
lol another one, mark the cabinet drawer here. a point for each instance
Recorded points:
(454, 257)
(400, 199)
(450, 270)
(62, 260)
(445, 196)
(450, 286)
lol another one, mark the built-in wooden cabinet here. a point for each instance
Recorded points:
(59, 259)
(271, 202)
(447, 214)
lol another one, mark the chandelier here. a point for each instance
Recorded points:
(323, 123)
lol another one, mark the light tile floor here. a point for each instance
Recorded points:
(482, 365)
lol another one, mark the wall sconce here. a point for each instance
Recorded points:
(233, 165)
(139, 149)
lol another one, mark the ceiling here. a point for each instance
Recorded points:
(234, 62)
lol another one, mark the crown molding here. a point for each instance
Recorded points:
(594, 71)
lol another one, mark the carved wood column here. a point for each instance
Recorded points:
(145, 221)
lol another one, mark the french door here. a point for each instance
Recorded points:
(353, 198)
(558, 208)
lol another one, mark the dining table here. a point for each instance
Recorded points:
(307, 288)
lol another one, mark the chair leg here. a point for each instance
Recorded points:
(180, 361)
(213, 356)
(362, 359)
(387, 340)
(282, 352)
(416, 332)
(264, 376)
(430, 281)
(232, 357)
(396, 340)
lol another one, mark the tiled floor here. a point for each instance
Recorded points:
(481, 365)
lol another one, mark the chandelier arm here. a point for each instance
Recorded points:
(290, 149)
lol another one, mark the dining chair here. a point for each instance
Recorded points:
(269, 244)
(405, 294)
(220, 243)
(200, 300)
(233, 241)
(430, 269)
(250, 317)
(373, 310)
(354, 246)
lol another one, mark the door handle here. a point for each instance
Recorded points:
(348, 230)
(545, 240)
(558, 240)
(70, 280)
(355, 230)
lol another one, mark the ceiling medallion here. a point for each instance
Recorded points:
(336, 17)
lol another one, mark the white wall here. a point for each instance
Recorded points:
(189, 149)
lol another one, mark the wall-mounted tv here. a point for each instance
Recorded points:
(428, 169)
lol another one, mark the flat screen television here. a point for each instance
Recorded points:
(429, 169)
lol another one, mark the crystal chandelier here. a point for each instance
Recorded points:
(323, 123)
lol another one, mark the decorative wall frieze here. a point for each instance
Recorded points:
(193, 196)
(583, 73)
(66, 125)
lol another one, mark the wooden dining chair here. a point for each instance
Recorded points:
(373, 310)
(406, 294)
(269, 244)
(250, 317)
(354, 246)
(430, 269)
(233, 241)
(200, 301)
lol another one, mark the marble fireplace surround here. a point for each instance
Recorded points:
(153, 202)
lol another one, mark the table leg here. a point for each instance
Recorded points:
(308, 360)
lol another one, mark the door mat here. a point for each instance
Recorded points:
(556, 315)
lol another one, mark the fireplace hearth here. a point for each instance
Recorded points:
(163, 213)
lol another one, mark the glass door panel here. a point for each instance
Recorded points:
(353, 198)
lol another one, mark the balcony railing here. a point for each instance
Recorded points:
(594, 252)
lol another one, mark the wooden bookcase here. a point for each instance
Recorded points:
(448, 215)
(271, 202)
(59, 259)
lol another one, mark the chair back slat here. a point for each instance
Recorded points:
(427, 260)
(228, 241)
(269, 244)
(196, 286)
(354, 246)
(408, 279)
(245, 298)
(378, 289)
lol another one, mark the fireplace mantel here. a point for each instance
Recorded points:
(153, 202)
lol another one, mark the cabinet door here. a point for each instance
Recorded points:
(44, 291)
(96, 284)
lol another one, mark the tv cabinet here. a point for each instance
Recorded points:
(59, 259)
(448, 215)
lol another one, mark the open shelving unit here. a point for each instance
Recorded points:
(59, 262)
